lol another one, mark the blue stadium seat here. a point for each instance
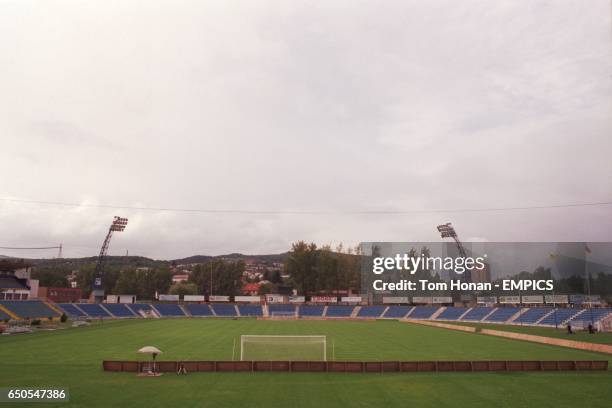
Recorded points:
(502, 314)
(371, 311)
(4, 316)
(339, 311)
(423, 312)
(71, 310)
(281, 309)
(594, 314)
(532, 315)
(32, 309)
(311, 310)
(250, 310)
(93, 310)
(198, 309)
(477, 314)
(12, 282)
(137, 307)
(451, 313)
(559, 316)
(118, 310)
(222, 309)
(397, 312)
(169, 310)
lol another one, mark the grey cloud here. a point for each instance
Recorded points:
(300, 105)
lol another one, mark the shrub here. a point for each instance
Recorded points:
(35, 322)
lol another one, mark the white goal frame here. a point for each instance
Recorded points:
(283, 315)
(324, 338)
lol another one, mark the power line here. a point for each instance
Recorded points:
(309, 212)
(49, 247)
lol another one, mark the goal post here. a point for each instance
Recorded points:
(283, 313)
(283, 348)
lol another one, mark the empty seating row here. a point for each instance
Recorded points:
(451, 313)
(592, 315)
(397, 312)
(339, 311)
(532, 315)
(502, 314)
(71, 310)
(423, 312)
(139, 308)
(311, 310)
(224, 309)
(29, 309)
(250, 310)
(197, 309)
(371, 311)
(477, 314)
(281, 309)
(93, 310)
(559, 316)
(119, 310)
(4, 316)
(169, 310)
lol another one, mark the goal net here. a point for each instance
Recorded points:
(283, 348)
(282, 314)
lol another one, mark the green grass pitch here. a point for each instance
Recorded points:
(72, 358)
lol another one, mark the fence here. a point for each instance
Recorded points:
(357, 366)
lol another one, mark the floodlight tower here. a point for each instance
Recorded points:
(447, 231)
(97, 293)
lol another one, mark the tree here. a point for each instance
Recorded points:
(301, 265)
(52, 276)
(226, 277)
(128, 283)
(266, 288)
(183, 288)
(155, 280)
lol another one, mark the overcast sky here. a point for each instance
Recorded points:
(326, 106)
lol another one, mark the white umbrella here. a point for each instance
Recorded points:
(153, 351)
(150, 350)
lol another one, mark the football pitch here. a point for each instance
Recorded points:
(72, 358)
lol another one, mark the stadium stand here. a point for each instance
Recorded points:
(119, 310)
(451, 313)
(197, 309)
(32, 309)
(532, 315)
(339, 311)
(477, 314)
(281, 309)
(137, 307)
(423, 312)
(71, 310)
(250, 310)
(12, 282)
(4, 316)
(169, 310)
(311, 310)
(594, 315)
(502, 314)
(545, 316)
(371, 311)
(397, 312)
(559, 316)
(222, 309)
(93, 310)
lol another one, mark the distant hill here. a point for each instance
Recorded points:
(233, 256)
(141, 261)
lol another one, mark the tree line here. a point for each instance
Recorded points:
(321, 270)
